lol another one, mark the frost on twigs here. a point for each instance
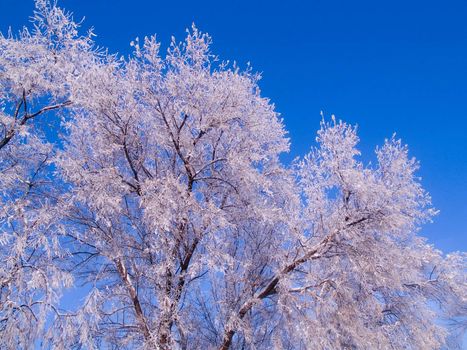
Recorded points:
(162, 201)
(36, 68)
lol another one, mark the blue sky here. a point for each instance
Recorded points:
(393, 66)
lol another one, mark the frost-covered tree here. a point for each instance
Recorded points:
(36, 70)
(162, 198)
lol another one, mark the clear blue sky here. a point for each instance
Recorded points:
(392, 66)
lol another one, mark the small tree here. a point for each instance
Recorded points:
(183, 227)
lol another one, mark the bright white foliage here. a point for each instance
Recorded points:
(35, 70)
(158, 192)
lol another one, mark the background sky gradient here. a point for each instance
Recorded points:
(392, 66)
